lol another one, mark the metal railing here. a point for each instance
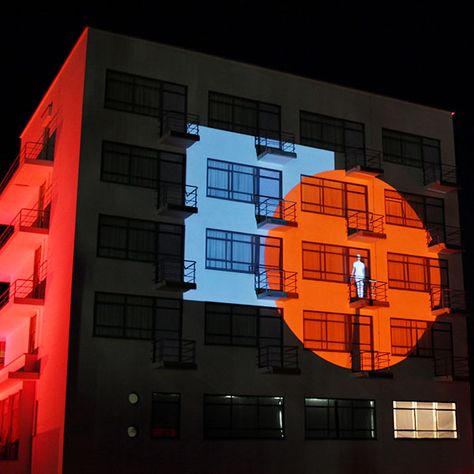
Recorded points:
(369, 361)
(362, 220)
(278, 356)
(275, 207)
(447, 298)
(174, 351)
(176, 270)
(365, 158)
(30, 151)
(364, 288)
(24, 289)
(443, 234)
(24, 220)
(180, 122)
(275, 279)
(451, 366)
(283, 141)
(178, 194)
(439, 172)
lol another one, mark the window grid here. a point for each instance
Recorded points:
(166, 414)
(339, 419)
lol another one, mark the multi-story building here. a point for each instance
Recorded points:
(212, 267)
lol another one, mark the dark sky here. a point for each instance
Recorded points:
(417, 51)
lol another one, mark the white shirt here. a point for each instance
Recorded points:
(358, 269)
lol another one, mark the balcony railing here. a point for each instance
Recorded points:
(175, 273)
(439, 177)
(275, 283)
(364, 292)
(21, 290)
(451, 367)
(177, 199)
(444, 238)
(174, 353)
(447, 300)
(364, 161)
(276, 140)
(372, 362)
(368, 224)
(26, 220)
(278, 358)
(30, 151)
(179, 128)
(274, 212)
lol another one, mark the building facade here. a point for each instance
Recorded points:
(213, 267)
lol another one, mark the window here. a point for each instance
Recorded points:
(143, 95)
(420, 338)
(424, 420)
(10, 427)
(239, 325)
(409, 150)
(336, 332)
(238, 182)
(238, 252)
(331, 262)
(243, 417)
(413, 210)
(138, 166)
(136, 317)
(244, 115)
(2, 353)
(165, 415)
(331, 133)
(327, 196)
(329, 418)
(47, 152)
(408, 272)
(139, 240)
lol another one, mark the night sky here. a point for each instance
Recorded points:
(418, 51)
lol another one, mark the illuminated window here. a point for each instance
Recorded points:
(134, 239)
(424, 420)
(143, 95)
(331, 262)
(238, 252)
(410, 150)
(420, 338)
(332, 418)
(413, 210)
(240, 325)
(165, 415)
(136, 317)
(243, 417)
(138, 166)
(9, 427)
(239, 182)
(328, 196)
(243, 115)
(336, 332)
(331, 133)
(409, 272)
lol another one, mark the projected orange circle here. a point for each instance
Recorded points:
(319, 299)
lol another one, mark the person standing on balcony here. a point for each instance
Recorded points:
(358, 276)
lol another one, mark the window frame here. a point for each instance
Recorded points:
(178, 421)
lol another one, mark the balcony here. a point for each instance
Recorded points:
(178, 129)
(447, 300)
(365, 226)
(439, 177)
(362, 163)
(23, 297)
(368, 294)
(25, 232)
(278, 359)
(174, 353)
(275, 283)
(25, 367)
(31, 168)
(177, 200)
(273, 213)
(371, 364)
(275, 147)
(174, 274)
(444, 239)
(449, 368)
